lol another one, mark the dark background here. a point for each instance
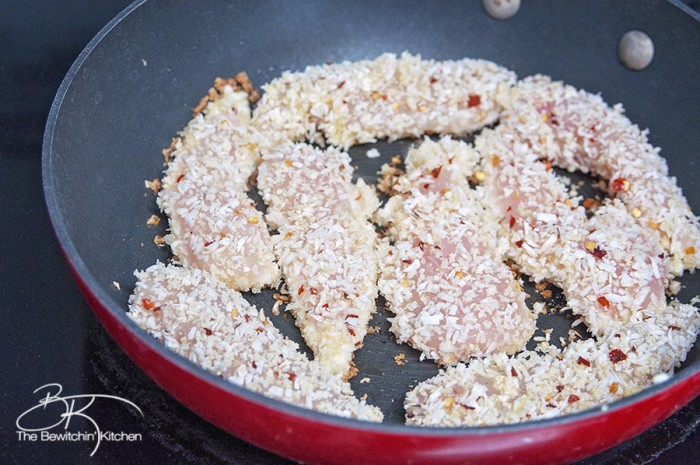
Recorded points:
(48, 333)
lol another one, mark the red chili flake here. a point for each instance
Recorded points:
(474, 101)
(603, 301)
(674, 328)
(421, 245)
(325, 305)
(352, 315)
(583, 361)
(598, 253)
(511, 222)
(179, 178)
(426, 186)
(351, 331)
(341, 167)
(148, 304)
(433, 79)
(341, 84)
(300, 291)
(553, 120)
(573, 398)
(254, 365)
(291, 376)
(616, 355)
(633, 349)
(407, 261)
(620, 184)
(207, 331)
(208, 243)
(313, 291)
(436, 172)
(513, 372)
(550, 405)
(519, 243)
(247, 318)
(560, 387)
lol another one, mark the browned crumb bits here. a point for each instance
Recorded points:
(153, 220)
(543, 288)
(168, 152)
(352, 372)
(281, 297)
(591, 204)
(159, 241)
(154, 185)
(244, 81)
(400, 359)
(389, 178)
(239, 82)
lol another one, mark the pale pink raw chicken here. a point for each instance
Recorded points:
(608, 267)
(214, 226)
(531, 385)
(579, 131)
(388, 97)
(199, 317)
(325, 247)
(443, 277)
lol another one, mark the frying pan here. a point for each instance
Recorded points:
(132, 89)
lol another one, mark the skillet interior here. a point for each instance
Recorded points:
(135, 90)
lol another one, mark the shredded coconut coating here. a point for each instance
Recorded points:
(579, 131)
(443, 277)
(298, 178)
(326, 247)
(388, 97)
(501, 389)
(199, 317)
(214, 226)
(609, 267)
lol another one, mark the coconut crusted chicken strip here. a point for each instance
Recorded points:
(214, 226)
(388, 97)
(199, 317)
(579, 131)
(326, 247)
(443, 277)
(609, 267)
(587, 374)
